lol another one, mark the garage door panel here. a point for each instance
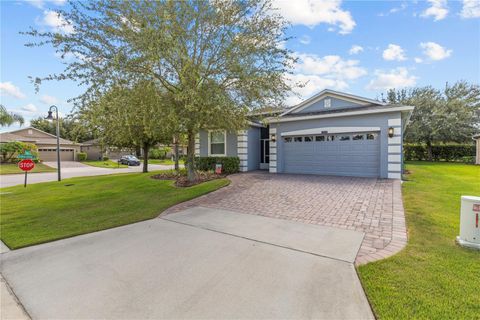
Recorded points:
(344, 158)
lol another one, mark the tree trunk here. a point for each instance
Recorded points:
(191, 157)
(429, 151)
(145, 148)
(176, 154)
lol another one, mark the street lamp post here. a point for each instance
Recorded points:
(50, 117)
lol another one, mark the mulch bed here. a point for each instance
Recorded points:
(182, 181)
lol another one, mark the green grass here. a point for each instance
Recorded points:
(49, 211)
(433, 278)
(104, 164)
(165, 161)
(12, 168)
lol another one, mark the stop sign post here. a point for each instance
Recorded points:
(26, 164)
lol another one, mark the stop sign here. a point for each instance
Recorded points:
(26, 165)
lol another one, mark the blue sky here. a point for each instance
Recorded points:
(361, 47)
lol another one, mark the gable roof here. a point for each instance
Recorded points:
(335, 94)
(49, 139)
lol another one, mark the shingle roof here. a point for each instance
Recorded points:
(340, 110)
(8, 137)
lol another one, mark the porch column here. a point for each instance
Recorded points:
(242, 149)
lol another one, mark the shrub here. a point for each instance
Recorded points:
(9, 151)
(230, 164)
(444, 152)
(159, 153)
(81, 156)
(105, 158)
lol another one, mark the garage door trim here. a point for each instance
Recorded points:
(331, 130)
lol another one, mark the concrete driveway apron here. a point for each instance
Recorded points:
(197, 263)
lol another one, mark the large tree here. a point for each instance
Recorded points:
(217, 59)
(440, 116)
(9, 118)
(131, 116)
(71, 128)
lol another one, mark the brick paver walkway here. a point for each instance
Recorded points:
(373, 206)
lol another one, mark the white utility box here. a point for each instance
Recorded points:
(470, 222)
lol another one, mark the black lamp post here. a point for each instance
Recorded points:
(50, 117)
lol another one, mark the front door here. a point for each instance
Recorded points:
(264, 148)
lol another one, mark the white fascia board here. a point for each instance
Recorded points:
(341, 114)
(335, 94)
(329, 130)
(253, 124)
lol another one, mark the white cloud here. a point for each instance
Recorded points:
(402, 7)
(438, 10)
(331, 66)
(29, 108)
(305, 39)
(48, 99)
(418, 60)
(41, 3)
(314, 12)
(318, 73)
(8, 88)
(394, 52)
(434, 51)
(56, 22)
(471, 9)
(396, 78)
(355, 49)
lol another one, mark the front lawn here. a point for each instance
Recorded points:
(49, 211)
(433, 278)
(104, 164)
(164, 161)
(12, 168)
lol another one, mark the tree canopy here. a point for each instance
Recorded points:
(71, 128)
(216, 59)
(441, 116)
(9, 118)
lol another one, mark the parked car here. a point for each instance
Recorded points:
(130, 160)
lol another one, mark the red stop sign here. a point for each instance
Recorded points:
(26, 165)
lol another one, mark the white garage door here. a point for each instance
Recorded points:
(51, 154)
(354, 154)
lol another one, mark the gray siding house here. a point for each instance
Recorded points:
(331, 133)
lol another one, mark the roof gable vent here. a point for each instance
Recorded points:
(327, 103)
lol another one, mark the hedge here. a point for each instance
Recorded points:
(230, 164)
(447, 152)
(81, 156)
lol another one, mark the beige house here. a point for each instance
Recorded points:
(477, 141)
(95, 150)
(45, 142)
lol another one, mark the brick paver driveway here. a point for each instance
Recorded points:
(373, 206)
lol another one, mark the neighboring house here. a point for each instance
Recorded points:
(45, 142)
(95, 150)
(477, 142)
(331, 133)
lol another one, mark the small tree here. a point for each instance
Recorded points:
(131, 116)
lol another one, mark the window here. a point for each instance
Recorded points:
(288, 139)
(327, 103)
(371, 136)
(344, 138)
(319, 138)
(217, 143)
(330, 138)
(297, 139)
(308, 139)
(358, 137)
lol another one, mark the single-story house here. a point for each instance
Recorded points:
(45, 142)
(95, 150)
(477, 143)
(331, 133)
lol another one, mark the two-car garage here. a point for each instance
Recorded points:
(333, 151)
